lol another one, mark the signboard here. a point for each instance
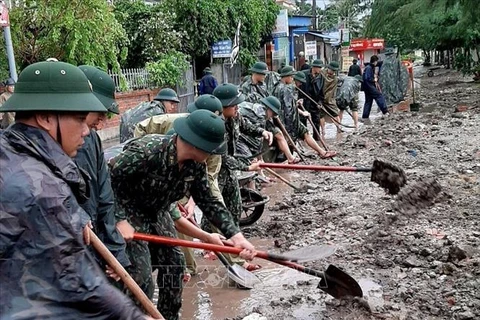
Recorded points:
(310, 48)
(4, 21)
(346, 63)
(367, 44)
(345, 51)
(345, 35)
(222, 49)
(281, 27)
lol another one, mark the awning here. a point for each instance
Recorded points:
(324, 36)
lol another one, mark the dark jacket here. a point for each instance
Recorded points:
(354, 70)
(368, 84)
(100, 205)
(314, 89)
(46, 270)
(207, 84)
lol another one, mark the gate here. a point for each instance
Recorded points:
(186, 90)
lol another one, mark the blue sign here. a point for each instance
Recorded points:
(222, 49)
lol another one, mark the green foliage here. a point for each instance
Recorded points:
(151, 31)
(168, 70)
(74, 31)
(205, 21)
(4, 73)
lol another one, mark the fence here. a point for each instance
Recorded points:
(135, 79)
(138, 79)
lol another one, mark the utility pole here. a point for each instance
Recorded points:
(5, 23)
(314, 11)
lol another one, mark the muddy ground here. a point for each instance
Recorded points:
(416, 254)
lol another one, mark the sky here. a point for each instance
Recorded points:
(320, 3)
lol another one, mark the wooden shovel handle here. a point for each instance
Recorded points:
(281, 178)
(123, 274)
(312, 167)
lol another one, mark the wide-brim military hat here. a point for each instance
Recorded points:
(359, 78)
(167, 94)
(317, 63)
(260, 68)
(300, 76)
(204, 130)
(272, 103)
(103, 87)
(333, 66)
(229, 95)
(389, 51)
(207, 70)
(53, 86)
(206, 102)
(287, 71)
(10, 82)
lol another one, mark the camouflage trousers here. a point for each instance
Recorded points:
(228, 184)
(170, 263)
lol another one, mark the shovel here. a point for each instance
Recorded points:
(334, 281)
(389, 176)
(242, 277)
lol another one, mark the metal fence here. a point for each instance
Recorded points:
(134, 79)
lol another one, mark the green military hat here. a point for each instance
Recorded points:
(103, 87)
(259, 67)
(228, 94)
(317, 63)
(202, 129)
(9, 82)
(359, 78)
(206, 102)
(272, 103)
(287, 71)
(170, 132)
(53, 86)
(207, 70)
(167, 94)
(300, 76)
(333, 66)
(389, 51)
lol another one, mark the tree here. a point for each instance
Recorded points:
(204, 22)
(150, 30)
(74, 31)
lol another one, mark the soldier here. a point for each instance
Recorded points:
(235, 124)
(313, 87)
(162, 124)
(289, 113)
(254, 87)
(166, 101)
(347, 96)
(152, 173)
(8, 117)
(261, 115)
(47, 270)
(372, 89)
(100, 205)
(329, 102)
(393, 79)
(208, 82)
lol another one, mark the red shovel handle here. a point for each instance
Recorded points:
(312, 167)
(199, 245)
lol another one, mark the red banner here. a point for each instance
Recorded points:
(366, 44)
(4, 21)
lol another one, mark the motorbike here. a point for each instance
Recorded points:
(253, 202)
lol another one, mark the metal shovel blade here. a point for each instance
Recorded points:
(311, 253)
(389, 176)
(339, 284)
(243, 278)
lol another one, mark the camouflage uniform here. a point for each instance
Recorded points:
(347, 93)
(288, 113)
(393, 80)
(7, 118)
(161, 124)
(46, 270)
(141, 112)
(147, 179)
(253, 92)
(227, 179)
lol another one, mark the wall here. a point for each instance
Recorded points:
(125, 100)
